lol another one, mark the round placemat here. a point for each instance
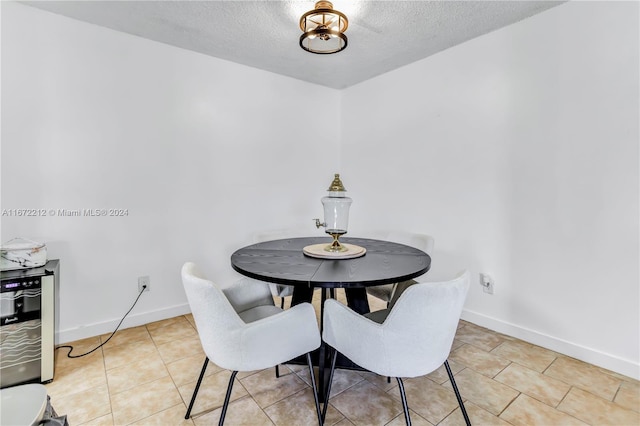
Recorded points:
(317, 250)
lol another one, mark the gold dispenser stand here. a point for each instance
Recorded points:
(335, 246)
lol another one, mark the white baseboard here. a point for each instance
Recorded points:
(625, 367)
(97, 329)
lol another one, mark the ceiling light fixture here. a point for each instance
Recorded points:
(323, 29)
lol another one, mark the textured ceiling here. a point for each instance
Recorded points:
(383, 35)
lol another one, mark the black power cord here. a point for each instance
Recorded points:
(144, 287)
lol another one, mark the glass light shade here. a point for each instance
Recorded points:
(323, 42)
(336, 212)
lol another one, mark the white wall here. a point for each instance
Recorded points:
(518, 151)
(202, 152)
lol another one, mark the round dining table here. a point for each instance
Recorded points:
(284, 262)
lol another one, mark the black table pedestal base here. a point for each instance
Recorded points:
(356, 300)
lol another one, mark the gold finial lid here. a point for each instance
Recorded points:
(336, 185)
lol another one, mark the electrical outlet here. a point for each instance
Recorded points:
(487, 283)
(142, 282)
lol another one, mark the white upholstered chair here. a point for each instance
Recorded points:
(423, 242)
(240, 328)
(414, 339)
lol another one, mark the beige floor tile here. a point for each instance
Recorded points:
(375, 304)
(366, 404)
(489, 394)
(77, 377)
(296, 368)
(427, 398)
(298, 409)
(165, 322)
(526, 411)
(481, 361)
(117, 356)
(243, 374)
(477, 416)
(530, 356)
(584, 376)
(378, 380)
(62, 361)
(456, 344)
(299, 369)
(89, 342)
(268, 389)
(181, 348)
(83, 406)
(187, 370)
(416, 420)
(615, 375)
(144, 400)
(440, 375)
(595, 410)
(343, 422)
(128, 335)
(136, 373)
(628, 396)
(303, 372)
(334, 417)
(177, 331)
(79, 347)
(342, 379)
(212, 392)
(173, 416)
(506, 336)
(543, 388)
(189, 317)
(479, 337)
(106, 420)
(242, 412)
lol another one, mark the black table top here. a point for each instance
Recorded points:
(283, 262)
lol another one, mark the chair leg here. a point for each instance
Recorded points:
(227, 397)
(315, 390)
(457, 392)
(195, 391)
(277, 371)
(328, 393)
(282, 303)
(405, 407)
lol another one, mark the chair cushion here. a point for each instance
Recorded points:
(258, 313)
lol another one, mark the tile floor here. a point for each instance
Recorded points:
(145, 376)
